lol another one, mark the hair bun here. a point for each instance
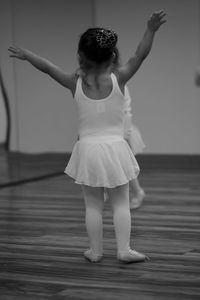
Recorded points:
(106, 38)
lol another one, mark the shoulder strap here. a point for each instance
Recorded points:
(115, 84)
(78, 87)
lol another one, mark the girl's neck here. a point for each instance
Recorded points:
(99, 70)
(93, 78)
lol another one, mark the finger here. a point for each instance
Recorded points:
(163, 21)
(12, 47)
(160, 11)
(157, 13)
(11, 50)
(162, 15)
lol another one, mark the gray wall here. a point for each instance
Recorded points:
(166, 103)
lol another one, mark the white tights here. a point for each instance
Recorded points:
(94, 203)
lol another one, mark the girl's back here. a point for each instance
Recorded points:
(97, 87)
(100, 111)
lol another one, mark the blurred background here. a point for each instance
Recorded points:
(166, 101)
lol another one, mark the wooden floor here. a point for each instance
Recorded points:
(42, 238)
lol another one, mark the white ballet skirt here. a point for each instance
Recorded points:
(102, 161)
(134, 138)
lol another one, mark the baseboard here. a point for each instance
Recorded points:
(149, 161)
(19, 168)
(169, 161)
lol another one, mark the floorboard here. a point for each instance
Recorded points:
(42, 239)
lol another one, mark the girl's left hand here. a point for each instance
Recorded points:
(156, 20)
(17, 52)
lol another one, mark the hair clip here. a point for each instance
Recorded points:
(106, 38)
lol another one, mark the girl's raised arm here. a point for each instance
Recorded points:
(44, 66)
(144, 47)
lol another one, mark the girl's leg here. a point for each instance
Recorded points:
(94, 202)
(137, 194)
(119, 197)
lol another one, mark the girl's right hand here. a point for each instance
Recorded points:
(17, 52)
(156, 20)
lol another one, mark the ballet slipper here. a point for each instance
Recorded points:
(91, 256)
(131, 256)
(136, 201)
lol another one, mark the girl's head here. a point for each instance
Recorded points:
(97, 46)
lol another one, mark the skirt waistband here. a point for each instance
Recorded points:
(100, 139)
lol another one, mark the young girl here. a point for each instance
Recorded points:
(101, 158)
(135, 141)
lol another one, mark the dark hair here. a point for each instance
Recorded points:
(97, 44)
